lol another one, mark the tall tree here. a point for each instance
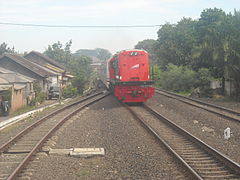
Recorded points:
(211, 39)
(78, 65)
(232, 50)
(175, 43)
(5, 49)
(148, 45)
(101, 54)
(59, 53)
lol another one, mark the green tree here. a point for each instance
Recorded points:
(183, 78)
(148, 45)
(101, 54)
(177, 78)
(59, 53)
(232, 50)
(5, 49)
(82, 71)
(78, 65)
(175, 43)
(211, 37)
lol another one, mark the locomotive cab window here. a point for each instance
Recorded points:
(133, 53)
(115, 64)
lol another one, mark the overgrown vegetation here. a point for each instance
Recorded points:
(211, 42)
(101, 54)
(78, 65)
(5, 49)
(181, 78)
(39, 95)
(69, 91)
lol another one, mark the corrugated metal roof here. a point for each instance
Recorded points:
(19, 86)
(4, 84)
(6, 71)
(13, 78)
(41, 71)
(46, 58)
(69, 75)
(3, 81)
(4, 87)
(54, 68)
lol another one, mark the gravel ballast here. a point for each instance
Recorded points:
(131, 152)
(205, 125)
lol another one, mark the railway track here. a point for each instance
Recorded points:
(17, 152)
(221, 111)
(201, 160)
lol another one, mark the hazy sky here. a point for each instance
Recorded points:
(92, 13)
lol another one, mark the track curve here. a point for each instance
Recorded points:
(18, 151)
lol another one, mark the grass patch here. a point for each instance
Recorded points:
(14, 126)
(23, 110)
(184, 93)
(83, 173)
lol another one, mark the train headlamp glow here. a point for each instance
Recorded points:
(120, 77)
(117, 77)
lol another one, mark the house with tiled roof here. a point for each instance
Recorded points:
(51, 64)
(42, 59)
(44, 76)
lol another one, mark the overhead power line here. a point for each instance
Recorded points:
(80, 26)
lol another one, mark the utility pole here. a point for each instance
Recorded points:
(60, 92)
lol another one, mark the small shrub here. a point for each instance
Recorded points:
(177, 78)
(40, 97)
(69, 91)
(184, 79)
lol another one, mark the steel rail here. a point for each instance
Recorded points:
(47, 136)
(170, 95)
(40, 143)
(219, 156)
(158, 137)
(20, 134)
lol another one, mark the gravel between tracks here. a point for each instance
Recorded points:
(7, 133)
(131, 153)
(222, 102)
(205, 125)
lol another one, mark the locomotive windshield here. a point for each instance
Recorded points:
(133, 53)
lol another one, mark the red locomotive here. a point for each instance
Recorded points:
(128, 76)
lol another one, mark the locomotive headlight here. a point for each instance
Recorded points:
(148, 76)
(117, 77)
(120, 77)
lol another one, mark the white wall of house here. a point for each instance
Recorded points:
(215, 84)
(229, 88)
(54, 80)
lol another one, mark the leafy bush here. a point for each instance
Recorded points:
(39, 96)
(203, 77)
(183, 78)
(69, 91)
(177, 78)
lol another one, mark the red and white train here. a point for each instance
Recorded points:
(128, 76)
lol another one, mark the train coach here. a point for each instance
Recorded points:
(128, 76)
